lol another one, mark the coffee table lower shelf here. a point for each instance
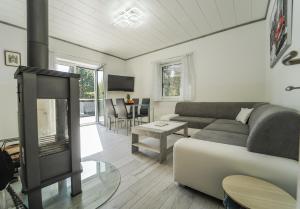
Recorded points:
(151, 148)
(160, 133)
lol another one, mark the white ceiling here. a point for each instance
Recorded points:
(166, 22)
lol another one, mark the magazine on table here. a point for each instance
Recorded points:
(161, 123)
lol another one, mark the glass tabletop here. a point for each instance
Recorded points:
(100, 180)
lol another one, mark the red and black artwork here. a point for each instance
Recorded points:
(281, 29)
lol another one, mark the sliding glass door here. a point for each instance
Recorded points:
(92, 92)
(87, 95)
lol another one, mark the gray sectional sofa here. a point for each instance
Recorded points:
(271, 129)
(266, 147)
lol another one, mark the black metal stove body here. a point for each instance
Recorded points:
(47, 159)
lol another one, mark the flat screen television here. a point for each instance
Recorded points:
(120, 83)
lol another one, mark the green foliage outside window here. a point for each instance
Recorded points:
(171, 80)
(86, 83)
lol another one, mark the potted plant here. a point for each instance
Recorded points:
(129, 101)
(128, 98)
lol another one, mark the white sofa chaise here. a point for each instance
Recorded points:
(266, 147)
(202, 165)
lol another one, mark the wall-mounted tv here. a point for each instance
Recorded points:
(120, 83)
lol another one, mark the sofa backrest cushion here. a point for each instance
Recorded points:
(222, 110)
(258, 113)
(274, 130)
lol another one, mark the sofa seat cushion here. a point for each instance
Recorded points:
(221, 137)
(229, 127)
(194, 122)
(226, 121)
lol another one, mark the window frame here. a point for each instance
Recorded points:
(171, 98)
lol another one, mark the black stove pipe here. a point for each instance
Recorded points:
(37, 33)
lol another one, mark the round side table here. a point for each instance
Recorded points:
(253, 193)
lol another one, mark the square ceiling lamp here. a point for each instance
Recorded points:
(129, 18)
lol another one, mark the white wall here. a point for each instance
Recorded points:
(14, 39)
(230, 66)
(59, 49)
(279, 77)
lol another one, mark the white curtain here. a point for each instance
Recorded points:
(157, 85)
(188, 78)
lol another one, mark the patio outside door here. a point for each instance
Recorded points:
(92, 92)
(87, 95)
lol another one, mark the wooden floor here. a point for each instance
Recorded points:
(145, 183)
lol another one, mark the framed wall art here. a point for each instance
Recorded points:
(12, 58)
(280, 29)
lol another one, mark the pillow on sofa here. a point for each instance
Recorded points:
(244, 115)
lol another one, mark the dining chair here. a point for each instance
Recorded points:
(123, 113)
(110, 112)
(144, 110)
(136, 108)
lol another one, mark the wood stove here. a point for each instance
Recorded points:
(49, 155)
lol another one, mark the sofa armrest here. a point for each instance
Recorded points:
(276, 132)
(202, 165)
(168, 117)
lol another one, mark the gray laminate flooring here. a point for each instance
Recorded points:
(145, 184)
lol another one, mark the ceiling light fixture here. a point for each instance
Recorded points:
(131, 17)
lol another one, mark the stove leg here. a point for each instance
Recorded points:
(35, 199)
(76, 184)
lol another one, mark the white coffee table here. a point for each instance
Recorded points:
(159, 130)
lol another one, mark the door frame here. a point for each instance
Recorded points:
(101, 68)
(94, 68)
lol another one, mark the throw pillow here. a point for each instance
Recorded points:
(244, 115)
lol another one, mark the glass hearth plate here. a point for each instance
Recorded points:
(100, 180)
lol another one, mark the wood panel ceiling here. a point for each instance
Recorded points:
(166, 22)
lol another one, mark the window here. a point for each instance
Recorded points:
(171, 79)
(86, 82)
